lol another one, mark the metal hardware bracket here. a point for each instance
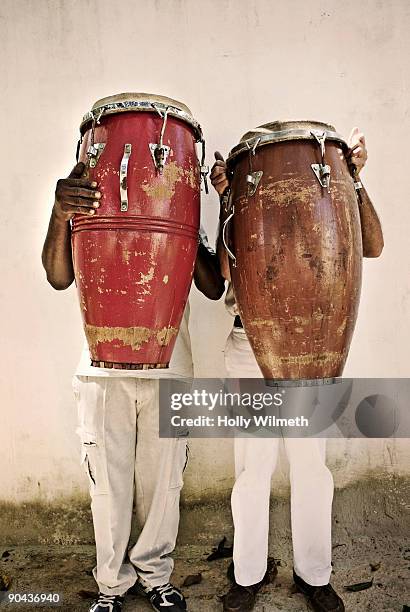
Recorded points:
(253, 180)
(224, 228)
(322, 172)
(226, 201)
(160, 151)
(94, 153)
(203, 168)
(124, 177)
(159, 155)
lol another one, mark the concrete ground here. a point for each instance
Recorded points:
(67, 571)
(51, 550)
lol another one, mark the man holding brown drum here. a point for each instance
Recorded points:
(255, 459)
(118, 427)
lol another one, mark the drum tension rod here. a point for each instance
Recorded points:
(96, 148)
(160, 151)
(77, 153)
(322, 171)
(203, 169)
(224, 237)
(253, 178)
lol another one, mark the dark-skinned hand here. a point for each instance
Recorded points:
(76, 195)
(218, 176)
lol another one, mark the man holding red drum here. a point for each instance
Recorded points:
(118, 426)
(255, 459)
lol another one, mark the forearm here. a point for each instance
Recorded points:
(207, 274)
(56, 255)
(372, 234)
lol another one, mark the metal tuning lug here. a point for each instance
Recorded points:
(94, 153)
(322, 172)
(226, 200)
(159, 155)
(204, 171)
(160, 151)
(320, 137)
(203, 168)
(124, 177)
(92, 150)
(252, 180)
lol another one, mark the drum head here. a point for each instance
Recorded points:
(126, 102)
(141, 97)
(281, 131)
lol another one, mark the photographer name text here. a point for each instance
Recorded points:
(238, 421)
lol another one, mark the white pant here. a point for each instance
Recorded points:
(122, 452)
(311, 491)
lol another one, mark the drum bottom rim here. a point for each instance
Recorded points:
(116, 365)
(301, 382)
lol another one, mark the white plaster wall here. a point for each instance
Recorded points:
(236, 63)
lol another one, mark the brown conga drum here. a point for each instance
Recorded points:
(134, 259)
(295, 244)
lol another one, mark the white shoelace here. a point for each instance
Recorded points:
(105, 600)
(166, 587)
(164, 591)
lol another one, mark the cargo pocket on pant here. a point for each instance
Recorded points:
(94, 461)
(89, 394)
(179, 462)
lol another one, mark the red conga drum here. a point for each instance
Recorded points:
(296, 248)
(134, 259)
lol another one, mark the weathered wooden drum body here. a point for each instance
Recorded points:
(134, 259)
(296, 238)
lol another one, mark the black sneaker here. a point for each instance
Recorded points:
(164, 598)
(321, 598)
(243, 598)
(107, 603)
(240, 598)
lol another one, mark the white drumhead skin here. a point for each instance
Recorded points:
(282, 126)
(141, 97)
(140, 102)
(282, 131)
